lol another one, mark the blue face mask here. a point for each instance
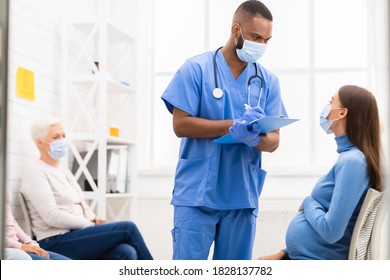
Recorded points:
(325, 123)
(250, 51)
(58, 148)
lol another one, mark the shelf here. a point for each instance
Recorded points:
(92, 195)
(119, 86)
(84, 26)
(91, 137)
(120, 195)
(116, 33)
(118, 141)
(95, 99)
(86, 82)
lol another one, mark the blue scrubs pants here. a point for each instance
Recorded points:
(195, 229)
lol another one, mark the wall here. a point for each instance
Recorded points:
(34, 44)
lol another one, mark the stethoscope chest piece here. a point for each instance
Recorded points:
(217, 93)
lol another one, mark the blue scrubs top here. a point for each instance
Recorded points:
(219, 176)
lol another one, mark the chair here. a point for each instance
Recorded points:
(366, 233)
(26, 215)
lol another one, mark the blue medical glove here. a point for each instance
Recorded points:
(252, 114)
(240, 132)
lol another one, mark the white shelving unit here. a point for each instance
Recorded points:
(98, 70)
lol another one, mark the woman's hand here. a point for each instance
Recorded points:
(99, 221)
(34, 250)
(278, 256)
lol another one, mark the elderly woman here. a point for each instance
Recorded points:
(61, 219)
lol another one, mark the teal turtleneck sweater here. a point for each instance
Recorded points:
(323, 230)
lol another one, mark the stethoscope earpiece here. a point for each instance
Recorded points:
(217, 93)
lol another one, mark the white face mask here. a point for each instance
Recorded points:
(250, 51)
(58, 148)
(325, 123)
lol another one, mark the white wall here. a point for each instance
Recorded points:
(34, 44)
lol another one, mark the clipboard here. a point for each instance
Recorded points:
(266, 124)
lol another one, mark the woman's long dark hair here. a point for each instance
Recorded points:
(363, 128)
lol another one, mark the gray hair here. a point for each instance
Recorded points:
(40, 128)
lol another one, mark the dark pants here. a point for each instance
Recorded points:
(110, 241)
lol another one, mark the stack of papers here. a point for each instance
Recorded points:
(266, 124)
(117, 169)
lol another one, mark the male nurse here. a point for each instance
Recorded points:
(217, 186)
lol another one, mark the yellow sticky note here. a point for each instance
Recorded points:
(25, 83)
(114, 131)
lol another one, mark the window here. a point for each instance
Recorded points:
(317, 46)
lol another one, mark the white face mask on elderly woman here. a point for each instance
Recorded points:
(58, 148)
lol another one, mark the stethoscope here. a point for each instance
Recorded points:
(218, 92)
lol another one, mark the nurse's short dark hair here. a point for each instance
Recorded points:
(254, 8)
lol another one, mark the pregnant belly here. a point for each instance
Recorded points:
(301, 239)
